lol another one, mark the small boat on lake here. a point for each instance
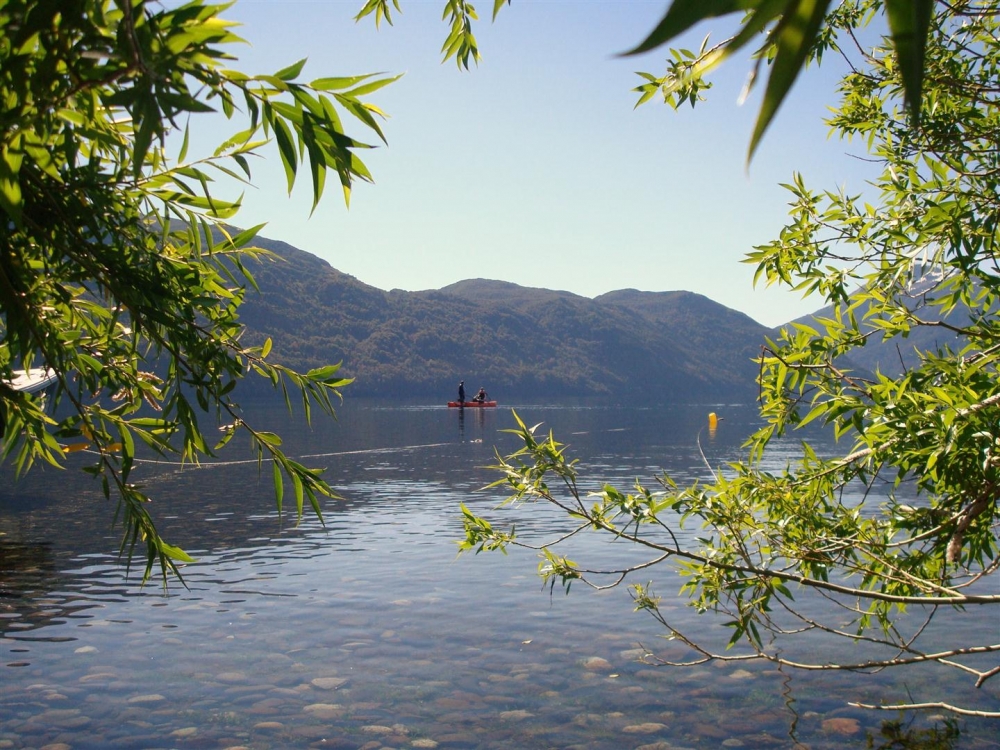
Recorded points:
(472, 404)
(33, 380)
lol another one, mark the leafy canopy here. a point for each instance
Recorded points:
(118, 272)
(793, 31)
(870, 544)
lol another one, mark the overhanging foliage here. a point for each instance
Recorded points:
(117, 270)
(924, 446)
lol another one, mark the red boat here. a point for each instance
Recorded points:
(471, 404)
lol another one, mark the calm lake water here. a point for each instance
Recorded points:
(370, 632)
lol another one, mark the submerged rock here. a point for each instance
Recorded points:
(98, 676)
(597, 664)
(377, 729)
(649, 727)
(324, 710)
(150, 698)
(841, 725)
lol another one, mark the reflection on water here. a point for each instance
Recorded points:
(366, 631)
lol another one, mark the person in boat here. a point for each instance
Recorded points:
(461, 392)
(481, 396)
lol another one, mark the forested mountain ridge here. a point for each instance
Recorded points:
(665, 346)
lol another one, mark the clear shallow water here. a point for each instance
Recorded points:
(369, 632)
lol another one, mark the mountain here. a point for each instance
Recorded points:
(513, 340)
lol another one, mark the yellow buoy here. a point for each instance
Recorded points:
(713, 424)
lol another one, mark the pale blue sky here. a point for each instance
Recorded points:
(534, 167)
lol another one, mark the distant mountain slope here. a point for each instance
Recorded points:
(483, 290)
(515, 341)
(713, 336)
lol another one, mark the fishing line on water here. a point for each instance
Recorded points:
(179, 466)
(217, 464)
(183, 465)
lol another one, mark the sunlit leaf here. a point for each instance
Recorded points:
(681, 15)
(291, 72)
(793, 37)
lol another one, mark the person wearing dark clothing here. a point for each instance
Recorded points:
(461, 392)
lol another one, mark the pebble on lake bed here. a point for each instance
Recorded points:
(151, 698)
(596, 664)
(98, 676)
(649, 727)
(377, 729)
(324, 710)
(841, 725)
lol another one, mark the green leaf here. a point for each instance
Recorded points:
(909, 23)
(335, 84)
(10, 186)
(174, 553)
(683, 14)
(299, 494)
(279, 486)
(244, 237)
(184, 145)
(369, 88)
(793, 38)
(289, 157)
(323, 373)
(292, 71)
(147, 422)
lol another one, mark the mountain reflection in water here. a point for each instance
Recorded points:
(368, 631)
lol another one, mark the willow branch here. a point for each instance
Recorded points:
(940, 706)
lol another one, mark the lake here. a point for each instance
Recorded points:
(370, 632)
